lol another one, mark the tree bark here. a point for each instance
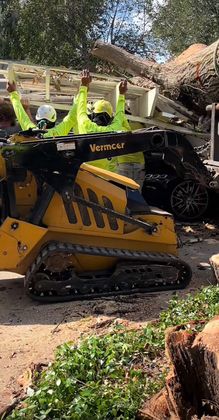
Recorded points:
(192, 386)
(193, 79)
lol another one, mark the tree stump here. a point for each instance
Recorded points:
(214, 261)
(192, 385)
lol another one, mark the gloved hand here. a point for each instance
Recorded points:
(86, 78)
(123, 87)
(11, 87)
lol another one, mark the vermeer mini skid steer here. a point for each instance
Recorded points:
(76, 231)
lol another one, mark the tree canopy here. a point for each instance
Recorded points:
(9, 23)
(61, 32)
(56, 33)
(180, 23)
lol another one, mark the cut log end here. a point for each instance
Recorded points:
(214, 261)
(192, 78)
(192, 386)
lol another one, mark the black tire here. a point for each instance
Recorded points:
(188, 200)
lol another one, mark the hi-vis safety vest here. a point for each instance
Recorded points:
(85, 125)
(62, 129)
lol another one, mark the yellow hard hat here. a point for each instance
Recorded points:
(103, 106)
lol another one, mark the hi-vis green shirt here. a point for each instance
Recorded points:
(137, 157)
(62, 129)
(132, 157)
(86, 126)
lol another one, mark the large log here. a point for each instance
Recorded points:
(192, 386)
(193, 78)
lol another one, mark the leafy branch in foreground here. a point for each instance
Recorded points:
(108, 377)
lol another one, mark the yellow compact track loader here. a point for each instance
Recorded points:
(76, 231)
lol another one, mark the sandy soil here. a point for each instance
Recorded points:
(29, 332)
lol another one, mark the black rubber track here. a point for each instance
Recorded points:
(135, 272)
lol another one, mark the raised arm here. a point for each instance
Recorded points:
(26, 105)
(118, 120)
(21, 115)
(84, 123)
(69, 122)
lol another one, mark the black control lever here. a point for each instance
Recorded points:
(32, 132)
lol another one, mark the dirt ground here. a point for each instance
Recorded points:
(29, 331)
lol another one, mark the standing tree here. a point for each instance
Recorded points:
(127, 25)
(180, 23)
(61, 33)
(9, 29)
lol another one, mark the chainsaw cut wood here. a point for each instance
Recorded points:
(192, 385)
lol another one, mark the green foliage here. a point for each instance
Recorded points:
(61, 32)
(58, 32)
(9, 28)
(203, 305)
(96, 380)
(108, 377)
(180, 23)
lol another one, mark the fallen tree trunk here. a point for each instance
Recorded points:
(193, 79)
(192, 386)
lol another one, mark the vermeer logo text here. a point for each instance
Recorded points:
(102, 147)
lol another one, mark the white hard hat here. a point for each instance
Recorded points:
(46, 112)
